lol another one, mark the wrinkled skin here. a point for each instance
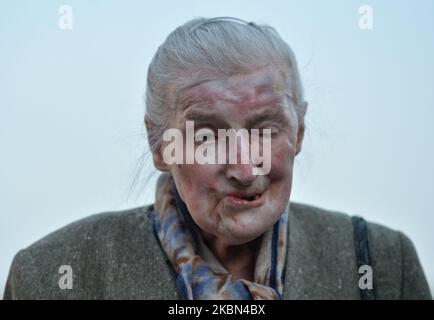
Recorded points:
(236, 102)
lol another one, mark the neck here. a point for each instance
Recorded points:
(239, 260)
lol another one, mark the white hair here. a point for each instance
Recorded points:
(207, 49)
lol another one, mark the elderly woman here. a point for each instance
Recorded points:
(222, 229)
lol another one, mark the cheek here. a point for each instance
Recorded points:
(196, 184)
(201, 177)
(282, 158)
(280, 176)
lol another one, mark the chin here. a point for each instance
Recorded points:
(240, 237)
(239, 241)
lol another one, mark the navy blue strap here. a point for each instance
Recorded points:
(363, 255)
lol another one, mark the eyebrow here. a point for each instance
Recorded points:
(205, 117)
(269, 114)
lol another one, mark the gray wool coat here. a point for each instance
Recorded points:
(115, 255)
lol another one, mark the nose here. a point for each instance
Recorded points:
(241, 175)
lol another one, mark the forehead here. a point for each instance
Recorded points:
(239, 93)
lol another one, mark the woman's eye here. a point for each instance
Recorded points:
(271, 130)
(209, 135)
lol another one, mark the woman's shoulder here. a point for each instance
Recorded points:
(318, 220)
(106, 253)
(325, 219)
(95, 229)
(397, 269)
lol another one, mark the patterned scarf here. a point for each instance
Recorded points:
(200, 276)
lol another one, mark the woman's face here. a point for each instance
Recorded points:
(219, 196)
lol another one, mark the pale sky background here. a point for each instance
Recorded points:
(71, 109)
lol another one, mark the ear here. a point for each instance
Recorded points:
(300, 136)
(157, 156)
(300, 133)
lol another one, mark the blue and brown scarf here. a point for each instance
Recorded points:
(200, 276)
